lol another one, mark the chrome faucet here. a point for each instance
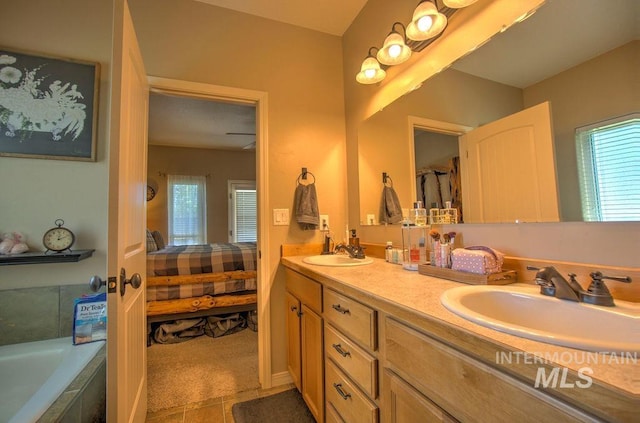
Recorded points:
(354, 251)
(553, 284)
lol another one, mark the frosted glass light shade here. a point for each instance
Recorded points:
(457, 4)
(427, 22)
(370, 72)
(394, 51)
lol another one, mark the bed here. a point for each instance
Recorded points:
(200, 280)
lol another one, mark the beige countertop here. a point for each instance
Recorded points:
(409, 294)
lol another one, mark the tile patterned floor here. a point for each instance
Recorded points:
(215, 410)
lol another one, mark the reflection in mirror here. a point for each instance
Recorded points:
(587, 77)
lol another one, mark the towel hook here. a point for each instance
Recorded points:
(386, 178)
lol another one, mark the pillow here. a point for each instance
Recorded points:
(151, 242)
(157, 237)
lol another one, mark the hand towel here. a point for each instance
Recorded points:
(390, 210)
(306, 206)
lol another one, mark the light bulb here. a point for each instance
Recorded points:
(395, 50)
(370, 73)
(424, 23)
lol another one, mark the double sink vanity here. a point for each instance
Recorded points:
(370, 342)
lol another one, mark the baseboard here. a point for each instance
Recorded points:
(281, 378)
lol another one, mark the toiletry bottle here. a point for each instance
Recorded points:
(388, 252)
(418, 214)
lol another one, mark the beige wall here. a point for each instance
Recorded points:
(599, 89)
(598, 243)
(301, 70)
(35, 192)
(219, 166)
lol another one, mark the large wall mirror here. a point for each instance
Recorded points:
(580, 56)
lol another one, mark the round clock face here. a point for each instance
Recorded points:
(58, 239)
(150, 193)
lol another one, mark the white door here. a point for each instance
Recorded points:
(126, 346)
(508, 169)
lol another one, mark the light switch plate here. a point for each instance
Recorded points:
(281, 217)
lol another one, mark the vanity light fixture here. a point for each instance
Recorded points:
(370, 71)
(427, 22)
(395, 49)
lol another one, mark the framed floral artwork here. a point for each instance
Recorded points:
(48, 106)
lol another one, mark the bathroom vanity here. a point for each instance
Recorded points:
(392, 352)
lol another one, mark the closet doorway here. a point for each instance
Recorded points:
(219, 134)
(435, 161)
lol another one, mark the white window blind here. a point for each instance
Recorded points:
(243, 225)
(608, 156)
(187, 209)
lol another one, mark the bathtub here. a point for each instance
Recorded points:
(34, 374)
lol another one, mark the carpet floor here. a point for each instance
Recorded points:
(285, 407)
(201, 369)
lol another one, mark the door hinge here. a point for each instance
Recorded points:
(259, 254)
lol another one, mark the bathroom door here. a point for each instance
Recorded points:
(508, 169)
(126, 336)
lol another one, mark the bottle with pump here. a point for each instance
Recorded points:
(388, 252)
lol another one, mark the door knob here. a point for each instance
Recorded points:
(95, 283)
(135, 281)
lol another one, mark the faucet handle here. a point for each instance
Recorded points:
(599, 276)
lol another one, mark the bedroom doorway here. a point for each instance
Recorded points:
(248, 141)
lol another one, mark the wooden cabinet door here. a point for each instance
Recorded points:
(403, 404)
(312, 362)
(293, 340)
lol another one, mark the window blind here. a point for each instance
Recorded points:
(245, 215)
(608, 156)
(187, 209)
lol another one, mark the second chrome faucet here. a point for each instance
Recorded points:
(553, 284)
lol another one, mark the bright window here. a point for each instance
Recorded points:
(187, 210)
(609, 169)
(243, 225)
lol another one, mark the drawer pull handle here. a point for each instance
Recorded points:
(342, 352)
(339, 309)
(342, 393)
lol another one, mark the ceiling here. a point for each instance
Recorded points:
(330, 16)
(521, 56)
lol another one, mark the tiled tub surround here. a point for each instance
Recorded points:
(33, 314)
(614, 394)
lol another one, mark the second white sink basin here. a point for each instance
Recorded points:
(521, 310)
(336, 260)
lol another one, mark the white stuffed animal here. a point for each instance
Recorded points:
(8, 241)
(20, 245)
(13, 243)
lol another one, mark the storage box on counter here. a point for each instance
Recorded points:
(90, 318)
(479, 259)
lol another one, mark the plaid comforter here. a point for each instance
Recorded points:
(197, 259)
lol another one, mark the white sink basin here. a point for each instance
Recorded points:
(521, 310)
(337, 260)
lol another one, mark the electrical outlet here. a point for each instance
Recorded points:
(324, 222)
(371, 219)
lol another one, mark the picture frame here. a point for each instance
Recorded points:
(48, 106)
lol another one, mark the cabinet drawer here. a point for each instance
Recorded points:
(350, 403)
(351, 317)
(360, 366)
(308, 291)
(465, 387)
